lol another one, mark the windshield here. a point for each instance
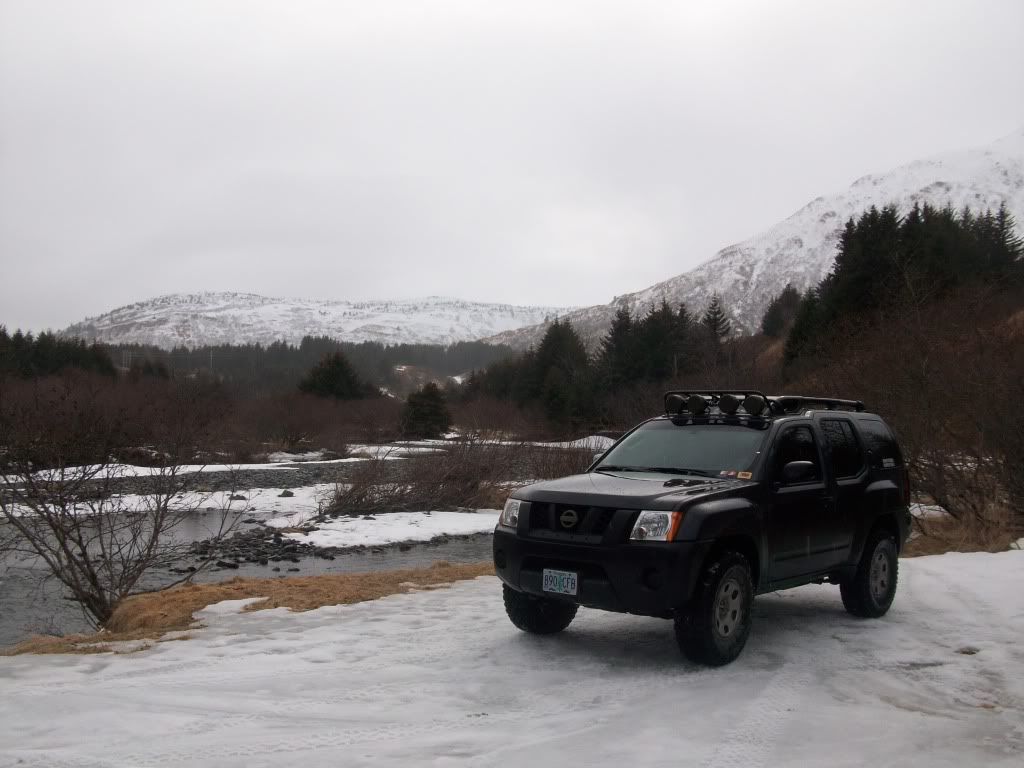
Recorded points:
(702, 449)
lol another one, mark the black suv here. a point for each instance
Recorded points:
(692, 513)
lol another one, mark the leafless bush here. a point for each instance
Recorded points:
(295, 421)
(468, 474)
(61, 493)
(949, 378)
(489, 417)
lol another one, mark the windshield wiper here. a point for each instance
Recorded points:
(661, 470)
(682, 471)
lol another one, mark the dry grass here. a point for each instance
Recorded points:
(993, 533)
(148, 617)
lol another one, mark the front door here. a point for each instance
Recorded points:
(795, 534)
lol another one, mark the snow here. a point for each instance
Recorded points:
(442, 678)
(592, 443)
(99, 471)
(284, 456)
(304, 503)
(395, 450)
(198, 319)
(802, 248)
(391, 527)
(927, 510)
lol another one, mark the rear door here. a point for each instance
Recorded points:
(850, 476)
(796, 509)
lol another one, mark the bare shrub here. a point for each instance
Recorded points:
(297, 421)
(492, 418)
(992, 531)
(948, 378)
(61, 492)
(468, 474)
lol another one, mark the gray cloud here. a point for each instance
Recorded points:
(550, 153)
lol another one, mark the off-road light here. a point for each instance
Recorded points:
(674, 404)
(696, 405)
(656, 526)
(754, 405)
(728, 404)
(509, 517)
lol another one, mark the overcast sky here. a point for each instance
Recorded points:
(539, 153)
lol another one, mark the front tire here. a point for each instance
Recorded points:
(537, 615)
(870, 592)
(715, 629)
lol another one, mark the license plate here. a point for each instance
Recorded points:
(561, 582)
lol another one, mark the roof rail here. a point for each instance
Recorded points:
(791, 403)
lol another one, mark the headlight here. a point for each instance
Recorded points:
(656, 526)
(510, 514)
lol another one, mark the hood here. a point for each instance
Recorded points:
(625, 490)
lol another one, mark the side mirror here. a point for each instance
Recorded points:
(798, 472)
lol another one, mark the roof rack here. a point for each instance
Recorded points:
(676, 401)
(791, 403)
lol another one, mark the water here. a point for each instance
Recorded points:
(30, 603)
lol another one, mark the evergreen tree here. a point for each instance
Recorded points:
(658, 343)
(781, 312)
(617, 357)
(805, 326)
(334, 377)
(715, 320)
(885, 261)
(426, 415)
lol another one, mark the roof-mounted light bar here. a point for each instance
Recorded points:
(729, 402)
(749, 403)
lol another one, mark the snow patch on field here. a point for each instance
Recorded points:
(393, 528)
(442, 678)
(592, 443)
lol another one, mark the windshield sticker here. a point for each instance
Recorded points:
(744, 475)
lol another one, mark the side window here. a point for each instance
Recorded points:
(797, 444)
(847, 458)
(883, 451)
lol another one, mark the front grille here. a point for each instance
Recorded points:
(570, 519)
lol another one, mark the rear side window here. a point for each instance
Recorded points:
(847, 458)
(883, 451)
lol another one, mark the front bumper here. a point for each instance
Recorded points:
(644, 578)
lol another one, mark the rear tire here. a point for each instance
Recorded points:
(870, 592)
(715, 628)
(537, 615)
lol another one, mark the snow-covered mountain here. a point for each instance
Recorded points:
(801, 249)
(194, 320)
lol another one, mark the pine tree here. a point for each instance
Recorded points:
(781, 312)
(616, 360)
(715, 320)
(426, 415)
(334, 377)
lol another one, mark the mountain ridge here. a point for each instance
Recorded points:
(227, 317)
(801, 248)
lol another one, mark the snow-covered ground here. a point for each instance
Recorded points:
(391, 527)
(441, 678)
